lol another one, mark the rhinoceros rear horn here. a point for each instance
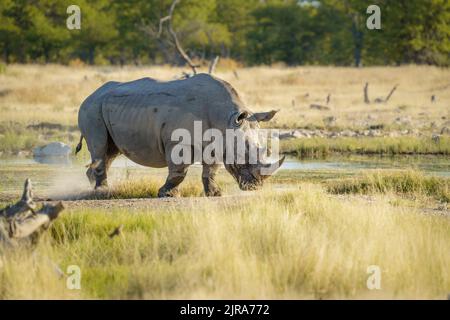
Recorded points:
(268, 169)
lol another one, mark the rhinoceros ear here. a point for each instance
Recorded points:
(241, 117)
(265, 116)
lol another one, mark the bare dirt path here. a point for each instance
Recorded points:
(131, 204)
(193, 202)
(146, 203)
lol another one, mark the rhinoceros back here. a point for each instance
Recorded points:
(140, 116)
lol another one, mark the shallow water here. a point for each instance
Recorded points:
(67, 176)
(428, 164)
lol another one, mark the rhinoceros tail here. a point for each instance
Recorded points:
(80, 145)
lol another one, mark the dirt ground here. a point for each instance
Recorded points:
(187, 203)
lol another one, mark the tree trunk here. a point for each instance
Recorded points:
(358, 40)
(91, 55)
(6, 55)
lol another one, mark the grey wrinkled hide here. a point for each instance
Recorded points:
(137, 119)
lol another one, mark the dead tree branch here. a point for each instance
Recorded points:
(213, 64)
(366, 93)
(386, 99)
(391, 93)
(174, 36)
(161, 23)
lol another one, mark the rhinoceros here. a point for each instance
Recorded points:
(137, 119)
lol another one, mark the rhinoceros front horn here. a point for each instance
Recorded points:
(268, 169)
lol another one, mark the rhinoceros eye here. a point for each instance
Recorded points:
(241, 117)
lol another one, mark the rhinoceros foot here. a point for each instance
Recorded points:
(165, 193)
(213, 193)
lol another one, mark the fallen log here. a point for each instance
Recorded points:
(23, 205)
(23, 221)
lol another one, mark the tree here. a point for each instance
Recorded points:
(355, 11)
(236, 16)
(9, 30)
(255, 31)
(47, 33)
(417, 31)
(96, 38)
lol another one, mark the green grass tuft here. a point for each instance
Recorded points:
(406, 182)
(323, 147)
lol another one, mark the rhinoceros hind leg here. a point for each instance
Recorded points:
(90, 175)
(111, 153)
(209, 184)
(177, 173)
(98, 171)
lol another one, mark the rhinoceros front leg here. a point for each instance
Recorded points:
(177, 173)
(209, 184)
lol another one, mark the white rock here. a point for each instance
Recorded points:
(375, 133)
(348, 133)
(394, 134)
(54, 149)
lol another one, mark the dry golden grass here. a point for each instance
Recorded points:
(264, 87)
(295, 244)
(35, 93)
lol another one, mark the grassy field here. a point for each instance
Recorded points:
(306, 234)
(293, 239)
(40, 103)
(302, 243)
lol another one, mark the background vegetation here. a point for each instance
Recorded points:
(39, 104)
(294, 32)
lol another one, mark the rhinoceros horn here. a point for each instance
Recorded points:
(268, 169)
